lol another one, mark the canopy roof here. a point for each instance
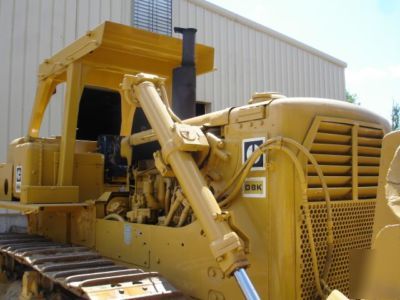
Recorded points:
(119, 49)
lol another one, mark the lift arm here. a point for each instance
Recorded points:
(176, 140)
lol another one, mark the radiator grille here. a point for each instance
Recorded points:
(349, 155)
(349, 158)
(353, 222)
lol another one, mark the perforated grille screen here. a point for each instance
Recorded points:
(348, 154)
(352, 230)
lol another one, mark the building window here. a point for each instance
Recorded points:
(152, 15)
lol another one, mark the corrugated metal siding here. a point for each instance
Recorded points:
(250, 57)
(30, 32)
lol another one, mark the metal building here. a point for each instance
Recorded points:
(249, 57)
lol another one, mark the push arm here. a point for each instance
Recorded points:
(176, 141)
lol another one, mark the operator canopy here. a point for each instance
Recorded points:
(103, 56)
(119, 49)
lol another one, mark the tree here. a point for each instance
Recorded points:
(352, 98)
(395, 115)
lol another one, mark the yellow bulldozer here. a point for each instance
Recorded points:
(139, 198)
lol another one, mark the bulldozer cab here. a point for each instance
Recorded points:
(92, 68)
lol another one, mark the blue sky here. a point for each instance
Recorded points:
(364, 34)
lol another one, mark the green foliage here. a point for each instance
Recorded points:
(395, 115)
(352, 98)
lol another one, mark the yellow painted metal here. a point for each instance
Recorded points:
(384, 214)
(100, 58)
(328, 130)
(187, 264)
(34, 208)
(43, 94)
(75, 82)
(392, 187)
(384, 279)
(127, 110)
(355, 160)
(385, 274)
(38, 160)
(49, 194)
(31, 286)
(271, 233)
(175, 143)
(6, 176)
(126, 242)
(347, 183)
(272, 228)
(213, 119)
(107, 53)
(124, 49)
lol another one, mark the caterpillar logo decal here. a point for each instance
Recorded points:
(18, 179)
(248, 147)
(254, 187)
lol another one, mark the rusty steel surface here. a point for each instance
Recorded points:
(84, 272)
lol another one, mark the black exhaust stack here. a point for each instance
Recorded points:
(184, 77)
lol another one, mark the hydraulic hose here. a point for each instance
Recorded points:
(277, 144)
(114, 217)
(174, 207)
(164, 98)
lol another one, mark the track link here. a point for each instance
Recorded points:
(82, 271)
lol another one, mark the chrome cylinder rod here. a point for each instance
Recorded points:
(246, 285)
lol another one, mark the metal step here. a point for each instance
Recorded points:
(84, 272)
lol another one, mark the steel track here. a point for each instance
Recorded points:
(82, 271)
